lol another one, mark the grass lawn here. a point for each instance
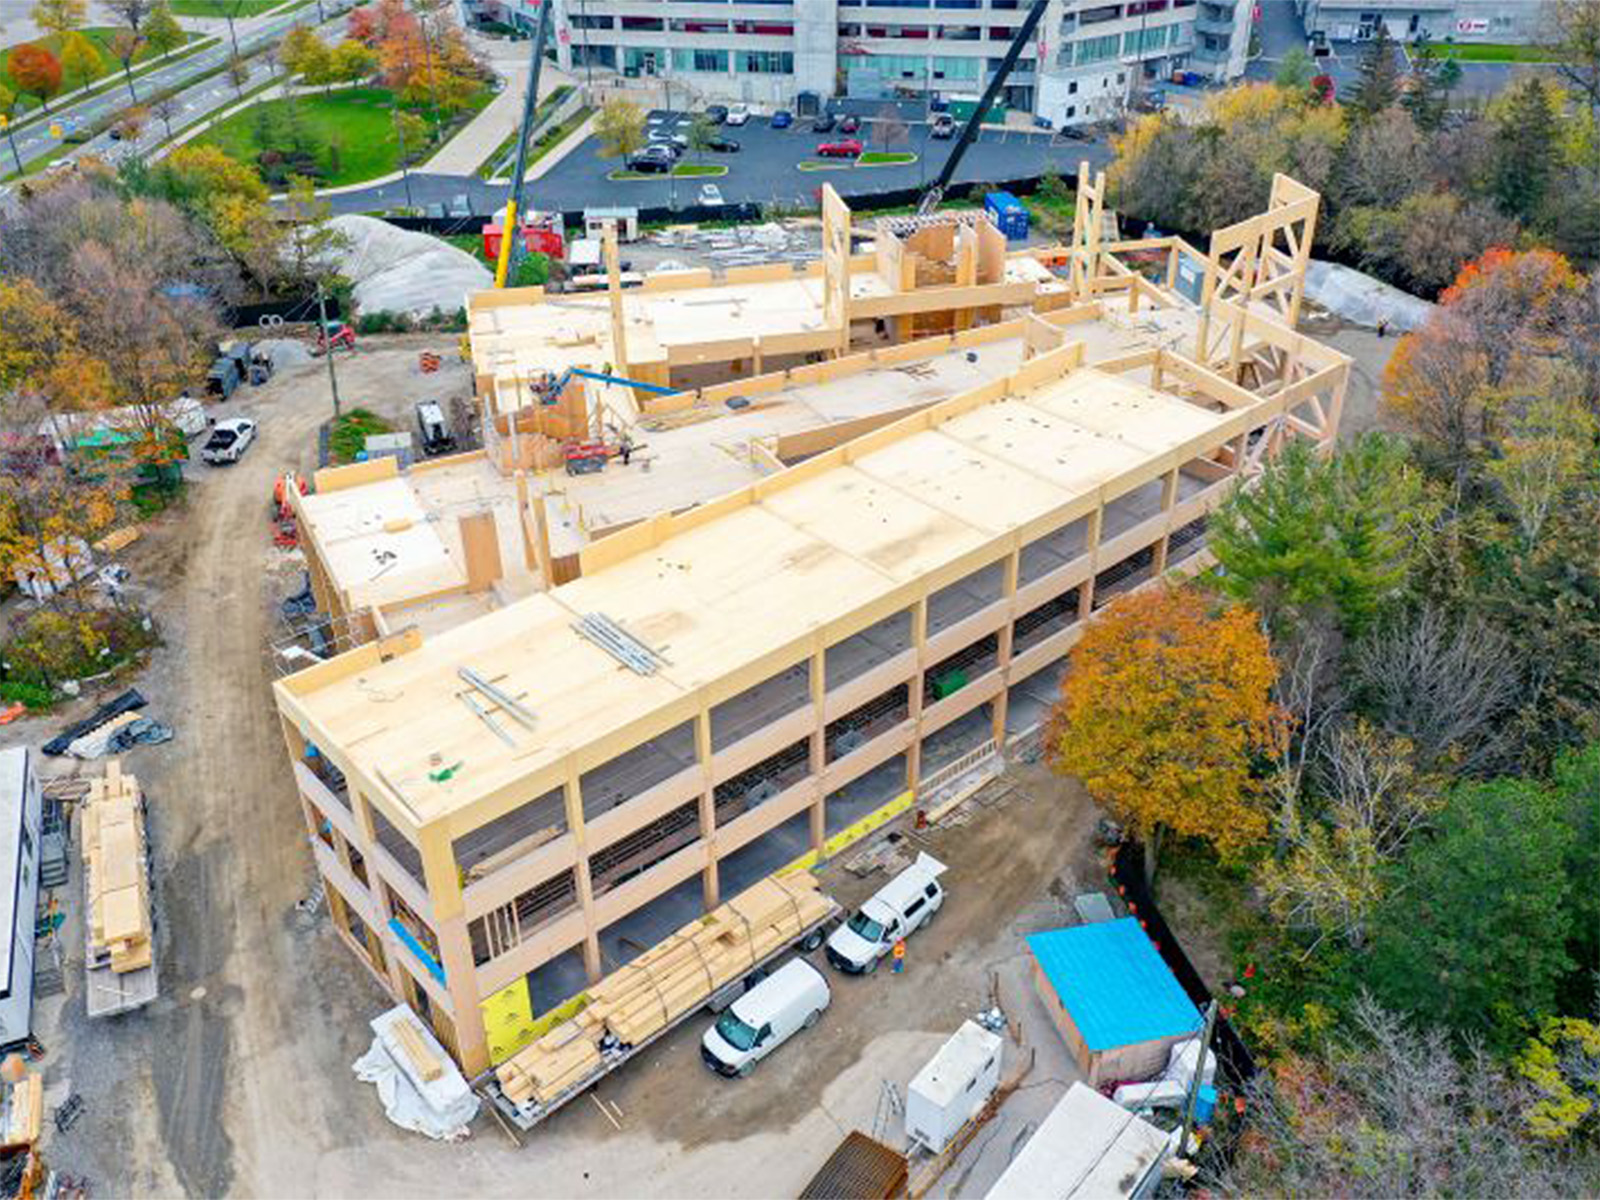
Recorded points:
(348, 437)
(100, 36)
(1492, 52)
(824, 164)
(885, 158)
(356, 120)
(682, 171)
(238, 9)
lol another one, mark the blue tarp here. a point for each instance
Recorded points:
(1112, 982)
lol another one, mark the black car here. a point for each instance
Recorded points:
(716, 113)
(850, 124)
(646, 163)
(824, 123)
(1076, 133)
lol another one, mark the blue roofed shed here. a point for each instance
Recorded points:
(1115, 1002)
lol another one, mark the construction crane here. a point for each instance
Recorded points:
(935, 193)
(510, 244)
(549, 392)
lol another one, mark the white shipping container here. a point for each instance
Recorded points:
(956, 1083)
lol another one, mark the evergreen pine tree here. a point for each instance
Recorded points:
(1425, 97)
(1379, 83)
(1525, 150)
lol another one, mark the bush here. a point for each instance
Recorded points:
(51, 646)
(35, 695)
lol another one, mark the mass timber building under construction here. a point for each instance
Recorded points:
(570, 713)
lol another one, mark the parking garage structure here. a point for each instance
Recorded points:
(841, 630)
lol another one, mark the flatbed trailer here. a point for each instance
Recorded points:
(517, 1119)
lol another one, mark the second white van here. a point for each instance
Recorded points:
(792, 998)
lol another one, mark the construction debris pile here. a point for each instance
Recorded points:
(744, 245)
(673, 978)
(114, 853)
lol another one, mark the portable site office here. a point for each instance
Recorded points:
(19, 891)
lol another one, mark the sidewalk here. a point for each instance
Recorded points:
(482, 136)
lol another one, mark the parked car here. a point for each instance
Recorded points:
(824, 123)
(1076, 133)
(716, 113)
(899, 908)
(782, 119)
(944, 126)
(710, 194)
(792, 998)
(843, 148)
(850, 123)
(738, 114)
(722, 145)
(228, 441)
(646, 163)
(663, 137)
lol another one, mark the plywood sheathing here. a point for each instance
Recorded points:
(114, 854)
(481, 545)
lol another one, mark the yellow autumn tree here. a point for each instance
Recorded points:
(1167, 703)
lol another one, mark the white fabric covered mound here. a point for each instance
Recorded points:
(396, 270)
(1363, 300)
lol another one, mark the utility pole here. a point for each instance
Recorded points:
(510, 244)
(11, 136)
(400, 135)
(1194, 1084)
(327, 342)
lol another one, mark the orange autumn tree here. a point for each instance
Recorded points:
(1167, 702)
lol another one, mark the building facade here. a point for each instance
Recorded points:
(1464, 21)
(1089, 59)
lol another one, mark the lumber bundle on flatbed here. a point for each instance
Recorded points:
(670, 979)
(114, 855)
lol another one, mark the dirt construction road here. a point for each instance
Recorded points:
(238, 1081)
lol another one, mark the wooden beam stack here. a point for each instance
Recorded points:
(114, 855)
(672, 978)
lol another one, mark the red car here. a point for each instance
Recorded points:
(844, 148)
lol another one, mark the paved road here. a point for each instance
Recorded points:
(34, 141)
(765, 171)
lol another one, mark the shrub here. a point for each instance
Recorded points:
(35, 695)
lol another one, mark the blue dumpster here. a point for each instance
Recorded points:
(1008, 214)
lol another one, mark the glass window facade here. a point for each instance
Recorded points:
(765, 62)
(1097, 49)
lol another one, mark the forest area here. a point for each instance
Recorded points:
(1385, 781)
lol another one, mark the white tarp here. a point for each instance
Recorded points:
(396, 270)
(442, 1109)
(1363, 300)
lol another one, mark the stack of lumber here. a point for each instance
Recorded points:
(114, 872)
(21, 1111)
(674, 977)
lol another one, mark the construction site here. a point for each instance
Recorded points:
(750, 570)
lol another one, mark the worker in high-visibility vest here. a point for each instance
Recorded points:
(899, 956)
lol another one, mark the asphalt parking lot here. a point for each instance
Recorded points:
(767, 169)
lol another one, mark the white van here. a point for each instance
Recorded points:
(761, 1020)
(902, 906)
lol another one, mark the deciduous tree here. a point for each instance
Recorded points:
(620, 128)
(1167, 703)
(352, 61)
(60, 17)
(1562, 1064)
(1473, 933)
(1572, 31)
(35, 71)
(1336, 868)
(1443, 684)
(162, 31)
(80, 59)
